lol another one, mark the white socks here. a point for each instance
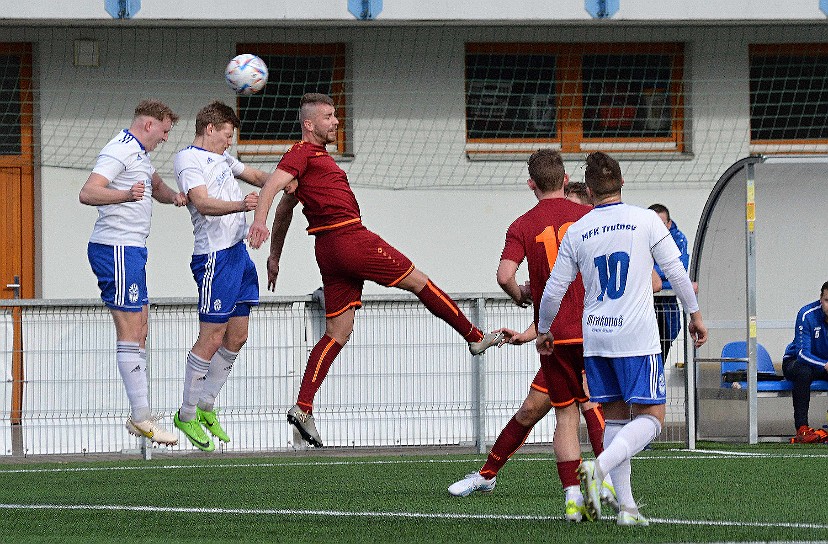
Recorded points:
(133, 370)
(622, 440)
(220, 366)
(573, 493)
(628, 440)
(195, 375)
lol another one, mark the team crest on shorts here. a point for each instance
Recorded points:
(662, 387)
(217, 305)
(133, 293)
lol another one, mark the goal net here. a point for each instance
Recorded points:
(435, 106)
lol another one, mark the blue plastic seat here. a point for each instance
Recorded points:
(768, 379)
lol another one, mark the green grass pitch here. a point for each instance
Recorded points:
(719, 493)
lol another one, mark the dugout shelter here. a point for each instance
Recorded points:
(758, 258)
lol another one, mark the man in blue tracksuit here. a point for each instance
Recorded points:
(667, 310)
(806, 360)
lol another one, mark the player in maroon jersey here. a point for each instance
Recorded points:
(347, 253)
(535, 236)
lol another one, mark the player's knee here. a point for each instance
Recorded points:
(657, 423)
(531, 412)
(414, 282)
(235, 342)
(341, 337)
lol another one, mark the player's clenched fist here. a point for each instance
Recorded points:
(251, 200)
(544, 343)
(136, 192)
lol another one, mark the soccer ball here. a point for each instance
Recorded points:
(246, 74)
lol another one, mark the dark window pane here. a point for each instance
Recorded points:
(788, 97)
(627, 96)
(10, 130)
(510, 96)
(272, 114)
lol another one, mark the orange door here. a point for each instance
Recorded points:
(16, 172)
(17, 203)
(11, 230)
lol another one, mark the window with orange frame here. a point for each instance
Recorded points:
(269, 119)
(575, 97)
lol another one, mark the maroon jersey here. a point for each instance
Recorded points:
(536, 236)
(324, 191)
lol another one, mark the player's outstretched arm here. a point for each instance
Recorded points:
(96, 193)
(281, 222)
(258, 230)
(207, 205)
(164, 194)
(517, 338)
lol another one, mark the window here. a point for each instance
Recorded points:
(269, 119)
(575, 97)
(10, 105)
(789, 98)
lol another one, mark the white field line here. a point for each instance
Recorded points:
(642, 457)
(388, 515)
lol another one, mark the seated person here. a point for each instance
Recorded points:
(806, 360)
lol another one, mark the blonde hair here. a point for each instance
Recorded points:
(155, 109)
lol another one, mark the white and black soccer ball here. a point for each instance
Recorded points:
(246, 74)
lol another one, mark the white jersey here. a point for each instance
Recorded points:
(614, 247)
(124, 162)
(195, 166)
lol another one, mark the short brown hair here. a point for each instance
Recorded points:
(660, 208)
(217, 113)
(603, 174)
(155, 109)
(547, 170)
(312, 99)
(579, 189)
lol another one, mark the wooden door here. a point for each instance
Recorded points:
(16, 171)
(17, 204)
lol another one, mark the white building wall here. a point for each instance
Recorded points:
(408, 131)
(420, 10)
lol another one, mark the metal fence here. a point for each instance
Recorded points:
(404, 379)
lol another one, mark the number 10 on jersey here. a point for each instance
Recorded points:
(612, 273)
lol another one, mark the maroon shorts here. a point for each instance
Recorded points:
(539, 383)
(347, 256)
(563, 373)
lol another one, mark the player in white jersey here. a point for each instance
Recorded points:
(122, 186)
(614, 247)
(225, 274)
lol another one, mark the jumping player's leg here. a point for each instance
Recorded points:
(440, 304)
(122, 279)
(131, 335)
(338, 330)
(357, 254)
(221, 363)
(228, 287)
(210, 338)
